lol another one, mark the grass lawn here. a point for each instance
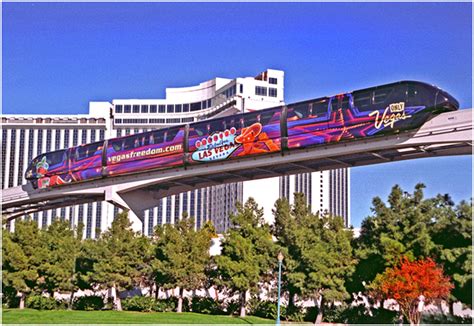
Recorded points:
(31, 316)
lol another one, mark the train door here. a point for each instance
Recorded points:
(307, 123)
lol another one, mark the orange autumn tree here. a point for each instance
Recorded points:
(413, 284)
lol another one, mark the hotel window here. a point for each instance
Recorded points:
(84, 136)
(144, 108)
(98, 217)
(57, 140)
(118, 109)
(44, 223)
(272, 92)
(259, 90)
(185, 202)
(118, 121)
(48, 140)
(89, 221)
(127, 109)
(153, 108)
(136, 109)
(150, 221)
(176, 208)
(241, 88)
(30, 146)
(80, 215)
(178, 108)
(198, 215)
(192, 204)
(185, 107)
(168, 210)
(159, 217)
(75, 137)
(20, 157)
(273, 81)
(66, 138)
(157, 120)
(162, 108)
(170, 108)
(196, 106)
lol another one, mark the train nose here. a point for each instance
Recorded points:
(445, 102)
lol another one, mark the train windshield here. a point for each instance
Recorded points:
(43, 163)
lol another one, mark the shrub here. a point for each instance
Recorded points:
(138, 303)
(232, 307)
(445, 319)
(148, 304)
(266, 309)
(92, 302)
(206, 305)
(41, 303)
(336, 314)
(294, 313)
(165, 305)
(353, 315)
(10, 298)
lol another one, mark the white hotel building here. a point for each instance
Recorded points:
(26, 136)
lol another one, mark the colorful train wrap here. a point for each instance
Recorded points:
(380, 110)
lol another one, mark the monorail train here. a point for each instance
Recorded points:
(364, 113)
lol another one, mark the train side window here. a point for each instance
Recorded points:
(200, 129)
(170, 134)
(231, 123)
(261, 117)
(340, 102)
(145, 139)
(318, 108)
(55, 157)
(362, 100)
(310, 110)
(419, 94)
(131, 142)
(381, 95)
(83, 152)
(301, 110)
(117, 144)
(157, 137)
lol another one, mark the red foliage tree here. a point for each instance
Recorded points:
(413, 285)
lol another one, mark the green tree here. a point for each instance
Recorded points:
(182, 255)
(319, 252)
(248, 253)
(23, 254)
(401, 228)
(58, 269)
(119, 258)
(452, 235)
(285, 229)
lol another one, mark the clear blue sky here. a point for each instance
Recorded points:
(59, 56)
